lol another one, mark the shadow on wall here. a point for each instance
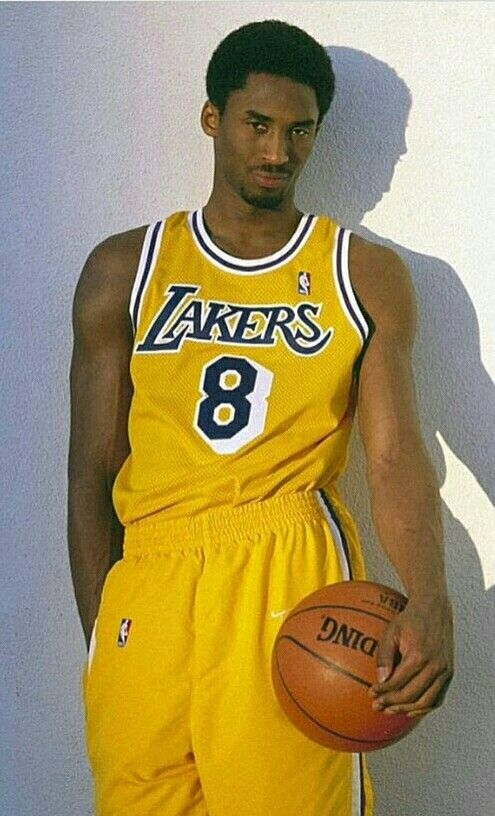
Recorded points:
(445, 765)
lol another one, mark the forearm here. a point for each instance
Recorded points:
(406, 510)
(95, 542)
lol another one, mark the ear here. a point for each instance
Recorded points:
(210, 119)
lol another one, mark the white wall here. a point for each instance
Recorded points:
(102, 104)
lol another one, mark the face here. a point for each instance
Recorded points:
(263, 138)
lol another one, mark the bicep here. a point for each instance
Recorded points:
(100, 383)
(387, 409)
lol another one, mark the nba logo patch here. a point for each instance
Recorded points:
(125, 628)
(304, 285)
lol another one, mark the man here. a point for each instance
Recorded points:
(219, 357)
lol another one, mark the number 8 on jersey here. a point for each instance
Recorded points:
(233, 408)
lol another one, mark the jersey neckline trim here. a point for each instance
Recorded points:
(249, 266)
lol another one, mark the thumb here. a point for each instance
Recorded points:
(385, 656)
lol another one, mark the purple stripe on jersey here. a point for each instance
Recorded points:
(362, 811)
(256, 267)
(145, 274)
(333, 513)
(340, 241)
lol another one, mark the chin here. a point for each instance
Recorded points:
(262, 202)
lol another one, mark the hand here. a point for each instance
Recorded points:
(415, 659)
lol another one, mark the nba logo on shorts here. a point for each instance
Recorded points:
(304, 287)
(125, 628)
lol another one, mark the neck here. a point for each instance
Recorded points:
(225, 210)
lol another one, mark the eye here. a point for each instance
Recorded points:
(259, 127)
(298, 131)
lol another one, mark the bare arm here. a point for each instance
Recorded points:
(101, 392)
(404, 491)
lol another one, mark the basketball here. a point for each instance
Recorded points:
(324, 662)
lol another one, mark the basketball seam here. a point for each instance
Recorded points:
(324, 727)
(326, 661)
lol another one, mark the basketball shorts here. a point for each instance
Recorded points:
(181, 717)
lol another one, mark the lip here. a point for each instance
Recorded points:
(273, 180)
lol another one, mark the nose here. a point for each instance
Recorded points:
(275, 148)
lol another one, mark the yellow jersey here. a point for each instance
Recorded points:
(243, 370)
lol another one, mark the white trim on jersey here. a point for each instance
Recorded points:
(142, 265)
(139, 273)
(92, 644)
(357, 785)
(347, 298)
(357, 775)
(337, 538)
(249, 266)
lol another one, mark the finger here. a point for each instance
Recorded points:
(404, 672)
(426, 700)
(433, 681)
(411, 691)
(387, 653)
(438, 702)
(419, 713)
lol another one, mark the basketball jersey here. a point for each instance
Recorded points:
(242, 370)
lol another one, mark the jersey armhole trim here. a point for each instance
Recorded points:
(347, 295)
(147, 261)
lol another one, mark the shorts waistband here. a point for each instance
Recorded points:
(226, 524)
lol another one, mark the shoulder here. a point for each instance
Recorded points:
(382, 283)
(100, 310)
(117, 256)
(105, 283)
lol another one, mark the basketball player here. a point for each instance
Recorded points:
(219, 357)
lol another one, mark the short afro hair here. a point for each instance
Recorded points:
(269, 47)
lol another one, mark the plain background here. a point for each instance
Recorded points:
(101, 104)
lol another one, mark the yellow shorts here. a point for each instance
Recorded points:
(181, 717)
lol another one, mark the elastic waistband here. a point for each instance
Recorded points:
(220, 525)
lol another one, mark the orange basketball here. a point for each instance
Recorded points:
(324, 662)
